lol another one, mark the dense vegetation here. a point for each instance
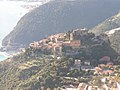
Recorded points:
(111, 24)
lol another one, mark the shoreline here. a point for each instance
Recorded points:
(17, 14)
(3, 56)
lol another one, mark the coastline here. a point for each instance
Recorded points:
(4, 55)
(2, 58)
(22, 8)
(19, 9)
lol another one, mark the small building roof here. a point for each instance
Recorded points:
(105, 58)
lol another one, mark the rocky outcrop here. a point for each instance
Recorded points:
(114, 36)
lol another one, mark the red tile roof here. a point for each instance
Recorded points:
(105, 58)
(74, 43)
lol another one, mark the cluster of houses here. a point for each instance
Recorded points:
(58, 43)
(79, 65)
(105, 83)
(69, 43)
(101, 69)
(105, 69)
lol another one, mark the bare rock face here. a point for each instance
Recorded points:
(115, 39)
(60, 16)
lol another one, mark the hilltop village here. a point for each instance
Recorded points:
(74, 60)
(84, 72)
(68, 43)
(59, 43)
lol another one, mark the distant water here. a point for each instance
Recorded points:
(2, 57)
(10, 14)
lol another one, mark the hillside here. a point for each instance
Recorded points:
(114, 36)
(24, 74)
(111, 27)
(110, 23)
(41, 65)
(59, 16)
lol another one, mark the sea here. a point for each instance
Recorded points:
(2, 57)
(10, 14)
